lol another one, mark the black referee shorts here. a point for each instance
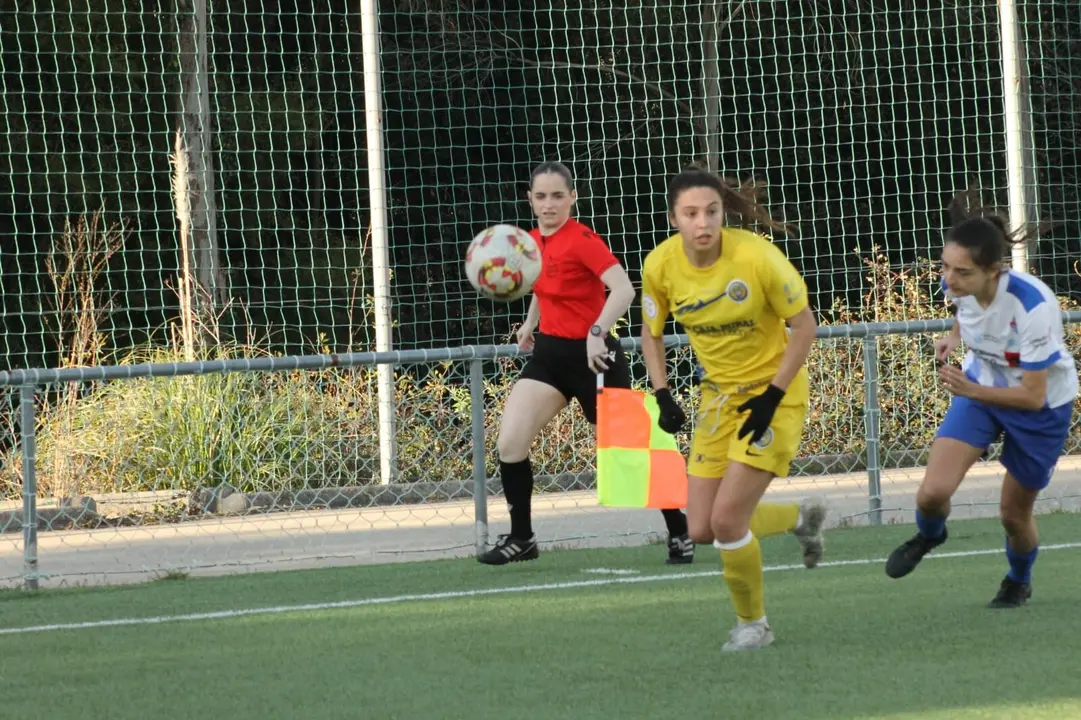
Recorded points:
(561, 363)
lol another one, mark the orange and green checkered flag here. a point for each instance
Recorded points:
(638, 464)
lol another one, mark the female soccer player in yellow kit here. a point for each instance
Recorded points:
(734, 292)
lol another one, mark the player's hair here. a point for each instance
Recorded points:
(555, 167)
(742, 199)
(984, 232)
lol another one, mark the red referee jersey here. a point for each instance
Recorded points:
(569, 291)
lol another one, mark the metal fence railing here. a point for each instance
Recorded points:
(127, 471)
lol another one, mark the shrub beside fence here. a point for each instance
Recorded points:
(265, 434)
(189, 427)
(296, 430)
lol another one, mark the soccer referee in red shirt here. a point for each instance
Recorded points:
(570, 348)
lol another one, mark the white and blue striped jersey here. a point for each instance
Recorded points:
(1021, 330)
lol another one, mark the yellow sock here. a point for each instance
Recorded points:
(742, 562)
(773, 519)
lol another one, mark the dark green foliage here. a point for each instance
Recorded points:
(863, 117)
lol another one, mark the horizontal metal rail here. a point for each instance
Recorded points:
(407, 357)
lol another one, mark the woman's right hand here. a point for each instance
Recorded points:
(945, 346)
(525, 338)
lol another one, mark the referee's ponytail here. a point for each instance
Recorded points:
(984, 232)
(741, 199)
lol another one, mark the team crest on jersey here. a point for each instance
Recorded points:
(764, 441)
(737, 291)
(649, 306)
(792, 292)
(1013, 347)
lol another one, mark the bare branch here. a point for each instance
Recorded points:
(736, 12)
(552, 64)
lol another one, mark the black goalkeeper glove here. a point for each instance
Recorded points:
(761, 408)
(671, 417)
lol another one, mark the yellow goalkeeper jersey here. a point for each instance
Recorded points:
(733, 311)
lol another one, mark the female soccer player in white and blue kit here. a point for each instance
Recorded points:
(1018, 381)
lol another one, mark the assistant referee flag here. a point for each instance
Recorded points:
(638, 464)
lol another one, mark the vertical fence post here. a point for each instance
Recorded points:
(871, 418)
(1021, 178)
(480, 474)
(377, 203)
(30, 487)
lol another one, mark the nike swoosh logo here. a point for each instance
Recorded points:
(699, 305)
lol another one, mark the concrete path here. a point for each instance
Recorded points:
(325, 538)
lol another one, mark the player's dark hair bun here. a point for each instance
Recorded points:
(984, 232)
(998, 222)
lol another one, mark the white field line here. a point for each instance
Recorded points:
(458, 594)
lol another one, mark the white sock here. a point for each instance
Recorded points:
(746, 540)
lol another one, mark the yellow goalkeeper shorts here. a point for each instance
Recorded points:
(714, 442)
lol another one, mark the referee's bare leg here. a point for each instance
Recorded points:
(530, 407)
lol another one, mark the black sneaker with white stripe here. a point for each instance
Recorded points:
(509, 549)
(680, 550)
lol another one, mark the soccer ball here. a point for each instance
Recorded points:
(503, 262)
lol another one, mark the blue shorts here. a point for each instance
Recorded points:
(1033, 442)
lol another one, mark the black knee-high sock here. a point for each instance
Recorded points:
(517, 480)
(676, 521)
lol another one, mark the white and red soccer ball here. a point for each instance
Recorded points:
(503, 262)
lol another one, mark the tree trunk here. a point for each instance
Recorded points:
(203, 287)
(710, 125)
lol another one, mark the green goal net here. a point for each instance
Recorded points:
(862, 117)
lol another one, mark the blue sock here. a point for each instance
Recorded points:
(930, 527)
(1020, 563)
